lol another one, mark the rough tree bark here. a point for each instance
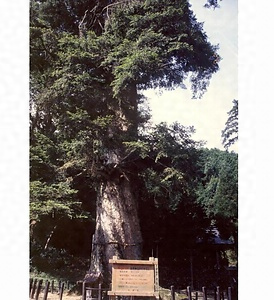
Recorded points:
(117, 227)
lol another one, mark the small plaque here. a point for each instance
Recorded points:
(133, 277)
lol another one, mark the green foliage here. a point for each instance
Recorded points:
(168, 211)
(42, 157)
(212, 4)
(140, 147)
(171, 176)
(218, 190)
(82, 90)
(230, 133)
(156, 44)
(42, 48)
(52, 199)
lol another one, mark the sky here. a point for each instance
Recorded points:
(208, 114)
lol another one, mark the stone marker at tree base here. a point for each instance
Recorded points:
(134, 277)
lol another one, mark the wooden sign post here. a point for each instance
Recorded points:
(134, 277)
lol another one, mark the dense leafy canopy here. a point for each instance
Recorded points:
(157, 44)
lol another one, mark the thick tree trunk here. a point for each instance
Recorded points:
(117, 227)
(117, 230)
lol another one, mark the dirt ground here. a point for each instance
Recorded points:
(164, 295)
(77, 297)
(57, 297)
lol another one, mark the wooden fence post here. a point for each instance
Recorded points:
(204, 293)
(38, 289)
(59, 286)
(84, 291)
(189, 293)
(52, 286)
(100, 292)
(33, 289)
(229, 296)
(223, 295)
(218, 293)
(46, 290)
(61, 291)
(30, 284)
(172, 292)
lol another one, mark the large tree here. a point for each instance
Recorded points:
(90, 60)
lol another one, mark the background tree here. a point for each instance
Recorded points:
(217, 194)
(170, 217)
(230, 133)
(218, 191)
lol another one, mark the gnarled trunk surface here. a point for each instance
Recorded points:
(117, 227)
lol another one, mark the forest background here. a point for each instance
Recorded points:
(15, 243)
